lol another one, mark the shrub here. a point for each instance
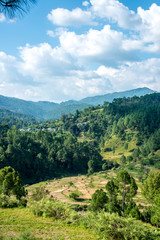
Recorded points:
(38, 193)
(11, 202)
(99, 200)
(48, 207)
(75, 194)
(112, 226)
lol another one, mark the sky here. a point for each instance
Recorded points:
(64, 50)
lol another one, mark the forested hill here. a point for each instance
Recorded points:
(125, 132)
(11, 118)
(48, 110)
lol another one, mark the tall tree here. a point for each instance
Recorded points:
(151, 187)
(127, 187)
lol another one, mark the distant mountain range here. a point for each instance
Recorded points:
(49, 110)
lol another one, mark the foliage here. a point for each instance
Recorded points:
(127, 187)
(112, 189)
(44, 154)
(99, 200)
(111, 226)
(151, 187)
(132, 210)
(38, 193)
(75, 194)
(10, 183)
(48, 207)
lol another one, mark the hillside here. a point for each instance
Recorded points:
(119, 133)
(95, 173)
(49, 111)
(11, 118)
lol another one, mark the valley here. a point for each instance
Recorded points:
(76, 169)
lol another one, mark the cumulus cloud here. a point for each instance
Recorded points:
(116, 12)
(144, 23)
(133, 75)
(53, 61)
(97, 46)
(142, 26)
(33, 78)
(76, 17)
(87, 62)
(149, 29)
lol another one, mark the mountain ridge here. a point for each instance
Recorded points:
(46, 110)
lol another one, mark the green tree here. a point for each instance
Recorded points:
(90, 167)
(151, 187)
(123, 160)
(127, 187)
(99, 199)
(112, 189)
(10, 183)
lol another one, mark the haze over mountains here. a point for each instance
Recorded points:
(44, 110)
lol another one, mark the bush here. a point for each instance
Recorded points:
(79, 208)
(48, 207)
(11, 202)
(99, 200)
(75, 194)
(39, 192)
(111, 226)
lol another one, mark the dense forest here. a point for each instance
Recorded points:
(74, 143)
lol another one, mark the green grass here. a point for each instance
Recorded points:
(15, 221)
(118, 144)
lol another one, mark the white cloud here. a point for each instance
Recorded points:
(2, 17)
(85, 3)
(76, 17)
(57, 32)
(97, 46)
(102, 59)
(143, 27)
(145, 23)
(33, 78)
(8, 68)
(116, 12)
(150, 30)
(133, 75)
(51, 33)
(44, 58)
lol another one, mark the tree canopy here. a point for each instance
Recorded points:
(127, 186)
(151, 187)
(10, 183)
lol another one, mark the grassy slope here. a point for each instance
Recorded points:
(15, 221)
(118, 144)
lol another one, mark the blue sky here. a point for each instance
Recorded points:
(65, 50)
